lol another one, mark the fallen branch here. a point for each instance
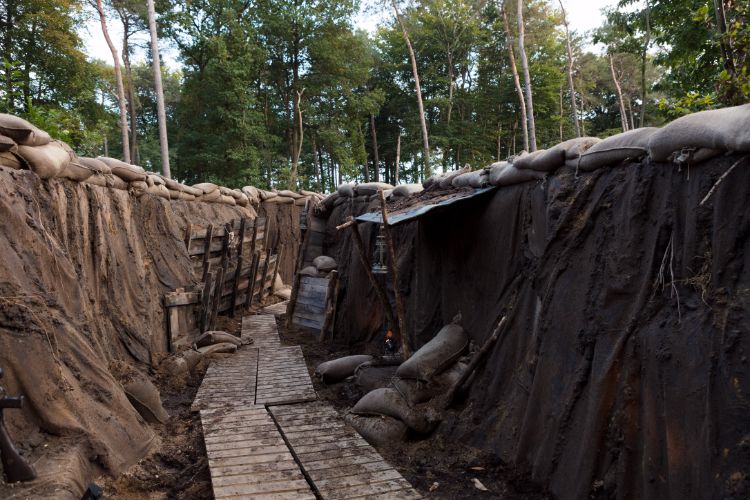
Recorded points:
(721, 179)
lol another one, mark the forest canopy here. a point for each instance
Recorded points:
(290, 93)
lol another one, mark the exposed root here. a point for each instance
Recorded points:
(721, 179)
(667, 265)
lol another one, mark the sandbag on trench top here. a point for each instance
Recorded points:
(336, 370)
(612, 151)
(436, 355)
(22, 132)
(390, 403)
(503, 173)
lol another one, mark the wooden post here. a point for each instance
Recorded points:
(238, 273)
(207, 250)
(188, 236)
(396, 290)
(279, 255)
(368, 270)
(251, 281)
(218, 288)
(262, 291)
(206, 301)
(333, 280)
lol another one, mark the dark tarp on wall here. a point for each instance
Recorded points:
(624, 368)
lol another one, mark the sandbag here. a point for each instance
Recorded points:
(22, 132)
(222, 348)
(243, 200)
(414, 391)
(346, 190)
(284, 293)
(186, 196)
(46, 161)
(159, 190)
(337, 370)
(7, 144)
(447, 179)
(369, 376)
(407, 189)
(324, 263)
(266, 195)
(97, 166)
(138, 188)
(506, 174)
(156, 180)
(371, 188)
(76, 172)
(329, 200)
(555, 157)
(97, 180)
(114, 182)
(145, 397)
(726, 129)
(378, 430)
(252, 194)
(217, 337)
(301, 202)
(461, 181)
(524, 160)
(436, 355)
(612, 151)
(192, 358)
(390, 403)
(123, 170)
(290, 194)
(174, 195)
(206, 187)
(227, 200)
(308, 193)
(12, 160)
(433, 180)
(309, 271)
(281, 200)
(211, 197)
(341, 200)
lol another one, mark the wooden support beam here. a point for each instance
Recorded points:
(206, 301)
(238, 272)
(207, 250)
(262, 291)
(396, 289)
(251, 283)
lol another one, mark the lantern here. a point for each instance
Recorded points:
(378, 263)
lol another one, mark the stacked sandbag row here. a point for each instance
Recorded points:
(321, 266)
(350, 192)
(24, 146)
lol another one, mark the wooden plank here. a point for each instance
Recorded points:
(188, 236)
(206, 250)
(263, 274)
(181, 298)
(238, 272)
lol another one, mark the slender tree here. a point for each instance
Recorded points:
(418, 90)
(644, 59)
(516, 79)
(161, 112)
(571, 87)
(618, 89)
(375, 155)
(298, 142)
(526, 78)
(118, 79)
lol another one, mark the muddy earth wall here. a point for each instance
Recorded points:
(624, 369)
(82, 272)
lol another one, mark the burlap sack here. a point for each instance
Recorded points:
(266, 195)
(555, 157)
(281, 200)
(290, 194)
(12, 160)
(337, 370)
(217, 337)
(228, 200)
(114, 182)
(207, 187)
(612, 151)
(156, 180)
(300, 202)
(123, 170)
(378, 430)
(436, 355)
(503, 173)
(242, 200)
(159, 190)
(187, 196)
(222, 348)
(390, 403)
(309, 271)
(145, 397)
(138, 188)
(346, 190)
(372, 188)
(447, 179)
(174, 195)
(524, 160)
(7, 144)
(407, 189)
(726, 129)
(46, 161)
(252, 193)
(324, 263)
(212, 197)
(97, 180)
(22, 132)
(76, 172)
(97, 166)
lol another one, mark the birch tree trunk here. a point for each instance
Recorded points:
(644, 55)
(118, 80)
(160, 111)
(516, 81)
(623, 113)
(418, 89)
(398, 157)
(131, 91)
(298, 149)
(375, 155)
(573, 107)
(527, 78)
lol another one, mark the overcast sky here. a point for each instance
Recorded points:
(583, 15)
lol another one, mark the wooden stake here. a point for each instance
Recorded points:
(396, 291)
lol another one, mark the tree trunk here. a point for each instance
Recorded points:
(118, 79)
(316, 159)
(562, 114)
(375, 156)
(726, 49)
(516, 82)
(8, 53)
(623, 114)
(644, 56)
(160, 110)
(526, 78)
(397, 166)
(130, 89)
(418, 89)
(298, 141)
(573, 107)
(630, 113)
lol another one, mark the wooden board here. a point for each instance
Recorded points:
(262, 329)
(229, 381)
(283, 377)
(310, 306)
(338, 461)
(276, 309)
(248, 458)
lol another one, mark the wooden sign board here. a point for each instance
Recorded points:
(310, 306)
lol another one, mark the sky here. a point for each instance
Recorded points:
(583, 15)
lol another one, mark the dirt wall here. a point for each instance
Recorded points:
(82, 272)
(624, 368)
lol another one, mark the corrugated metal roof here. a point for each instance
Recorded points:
(420, 210)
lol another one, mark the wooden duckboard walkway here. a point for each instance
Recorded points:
(338, 461)
(230, 381)
(276, 309)
(262, 329)
(248, 457)
(283, 377)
